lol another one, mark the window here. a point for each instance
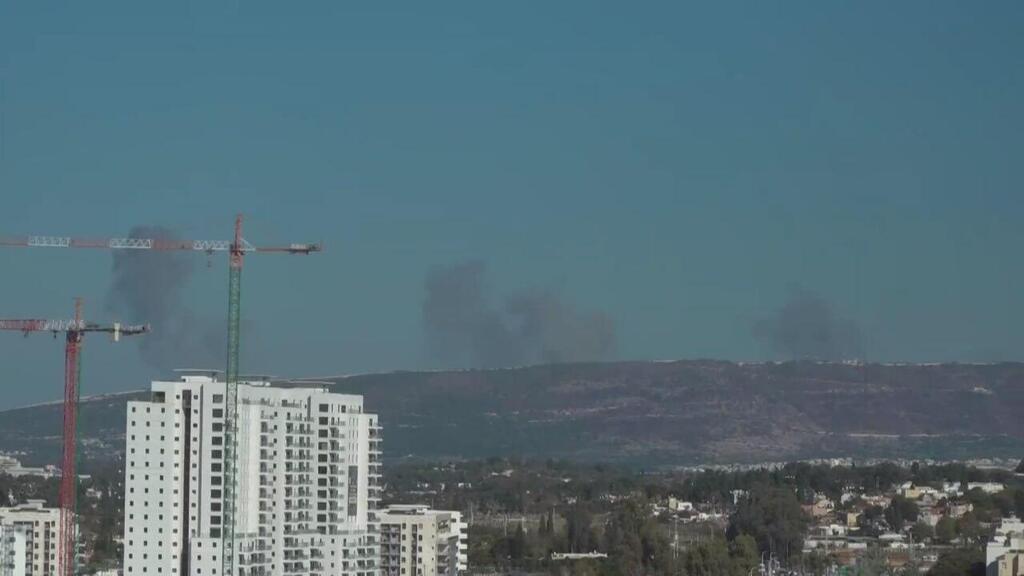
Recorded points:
(218, 412)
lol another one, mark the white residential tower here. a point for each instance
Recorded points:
(308, 471)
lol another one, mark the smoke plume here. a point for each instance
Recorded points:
(148, 287)
(806, 328)
(467, 326)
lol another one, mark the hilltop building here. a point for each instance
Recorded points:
(307, 478)
(418, 541)
(29, 535)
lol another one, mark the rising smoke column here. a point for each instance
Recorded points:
(806, 328)
(148, 287)
(465, 325)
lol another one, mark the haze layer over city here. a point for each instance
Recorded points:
(738, 182)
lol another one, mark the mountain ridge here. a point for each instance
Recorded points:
(644, 413)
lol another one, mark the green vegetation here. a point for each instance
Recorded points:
(960, 562)
(773, 517)
(521, 511)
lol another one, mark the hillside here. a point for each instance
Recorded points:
(649, 413)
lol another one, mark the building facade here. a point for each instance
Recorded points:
(12, 550)
(1003, 552)
(418, 541)
(29, 535)
(307, 481)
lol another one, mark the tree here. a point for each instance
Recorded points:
(744, 553)
(622, 542)
(773, 517)
(715, 558)
(517, 544)
(901, 511)
(921, 531)
(945, 530)
(636, 542)
(708, 559)
(969, 528)
(579, 529)
(960, 562)
(873, 563)
(816, 563)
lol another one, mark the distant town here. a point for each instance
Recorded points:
(316, 498)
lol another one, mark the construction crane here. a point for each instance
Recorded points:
(74, 331)
(237, 248)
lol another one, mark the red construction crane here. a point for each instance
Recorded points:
(237, 248)
(74, 331)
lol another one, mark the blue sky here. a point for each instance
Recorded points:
(679, 167)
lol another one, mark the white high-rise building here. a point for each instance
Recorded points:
(418, 541)
(307, 477)
(33, 529)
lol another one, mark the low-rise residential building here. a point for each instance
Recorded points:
(852, 519)
(418, 541)
(958, 509)
(986, 487)
(951, 489)
(879, 500)
(677, 505)
(821, 507)
(40, 527)
(913, 492)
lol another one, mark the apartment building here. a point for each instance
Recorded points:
(33, 529)
(12, 550)
(1004, 553)
(307, 481)
(418, 541)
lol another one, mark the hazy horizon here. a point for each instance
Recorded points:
(523, 183)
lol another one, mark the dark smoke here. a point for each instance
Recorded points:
(466, 326)
(806, 328)
(148, 287)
